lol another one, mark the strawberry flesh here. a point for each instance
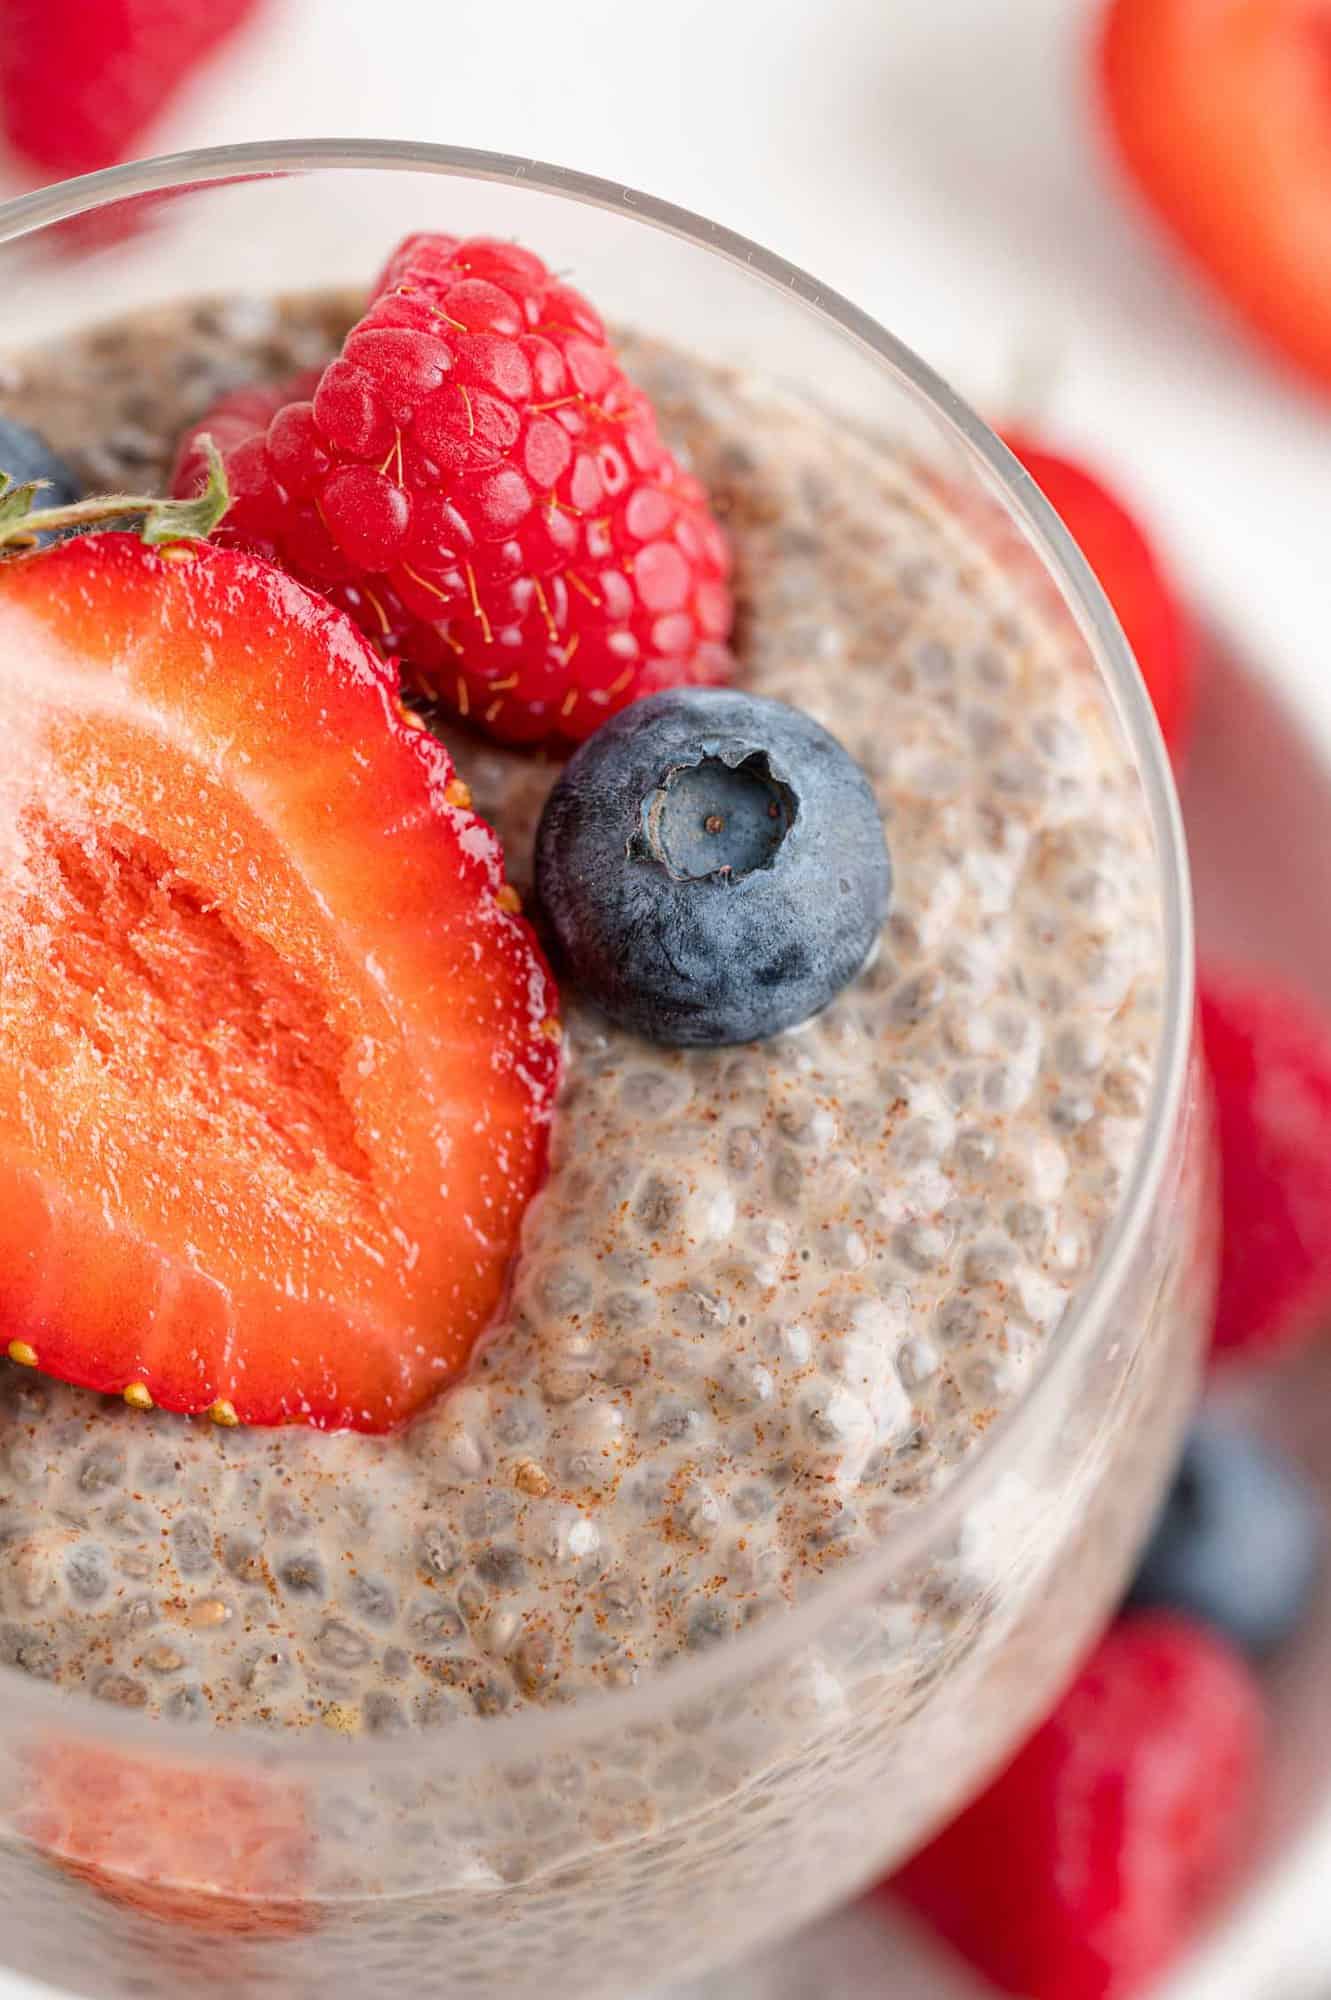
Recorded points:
(276, 1056)
(229, 1857)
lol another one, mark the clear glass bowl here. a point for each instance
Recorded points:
(653, 1832)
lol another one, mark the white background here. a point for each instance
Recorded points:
(939, 162)
(936, 160)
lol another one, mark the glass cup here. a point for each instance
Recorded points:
(658, 1830)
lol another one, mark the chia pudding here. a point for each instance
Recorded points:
(769, 1300)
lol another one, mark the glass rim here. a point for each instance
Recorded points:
(478, 1742)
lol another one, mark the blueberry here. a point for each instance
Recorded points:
(24, 456)
(712, 867)
(1238, 1543)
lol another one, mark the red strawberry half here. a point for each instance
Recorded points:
(477, 481)
(276, 1055)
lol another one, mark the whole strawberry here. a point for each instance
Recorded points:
(1217, 110)
(476, 480)
(80, 83)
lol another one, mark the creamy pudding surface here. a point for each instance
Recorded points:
(771, 1296)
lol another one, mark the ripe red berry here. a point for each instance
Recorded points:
(1269, 1054)
(1147, 602)
(81, 84)
(1083, 1870)
(478, 483)
(278, 1055)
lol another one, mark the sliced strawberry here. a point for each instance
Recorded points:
(1147, 603)
(229, 1856)
(1221, 110)
(276, 1055)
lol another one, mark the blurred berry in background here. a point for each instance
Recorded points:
(83, 82)
(1238, 1544)
(1221, 113)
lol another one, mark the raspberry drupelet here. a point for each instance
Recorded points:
(475, 479)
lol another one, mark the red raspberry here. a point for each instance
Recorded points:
(1082, 1871)
(1269, 1054)
(477, 481)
